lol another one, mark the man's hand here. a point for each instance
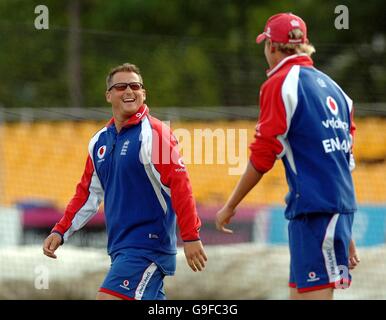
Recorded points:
(223, 217)
(51, 243)
(353, 259)
(195, 255)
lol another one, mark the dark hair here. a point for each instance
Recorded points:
(126, 67)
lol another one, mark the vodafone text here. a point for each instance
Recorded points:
(335, 124)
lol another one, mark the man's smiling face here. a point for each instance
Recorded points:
(125, 101)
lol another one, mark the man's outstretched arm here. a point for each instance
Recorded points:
(247, 181)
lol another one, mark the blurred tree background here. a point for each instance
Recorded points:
(190, 52)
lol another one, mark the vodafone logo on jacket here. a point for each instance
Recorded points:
(332, 105)
(101, 152)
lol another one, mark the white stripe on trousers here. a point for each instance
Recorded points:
(144, 281)
(329, 250)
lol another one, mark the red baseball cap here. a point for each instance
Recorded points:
(278, 27)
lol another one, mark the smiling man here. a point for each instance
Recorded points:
(134, 166)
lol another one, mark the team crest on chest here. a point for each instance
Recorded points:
(125, 147)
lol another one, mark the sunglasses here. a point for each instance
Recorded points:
(122, 86)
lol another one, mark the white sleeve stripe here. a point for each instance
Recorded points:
(153, 169)
(145, 158)
(289, 93)
(287, 151)
(89, 209)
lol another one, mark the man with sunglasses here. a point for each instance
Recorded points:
(134, 166)
(306, 120)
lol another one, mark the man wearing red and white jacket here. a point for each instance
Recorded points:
(306, 120)
(134, 166)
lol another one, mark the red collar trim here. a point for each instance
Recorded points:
(301, 59)
(134, 119)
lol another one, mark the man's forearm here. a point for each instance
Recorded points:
(247, 181)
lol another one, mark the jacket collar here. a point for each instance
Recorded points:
(134, 119)
(300, 59)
